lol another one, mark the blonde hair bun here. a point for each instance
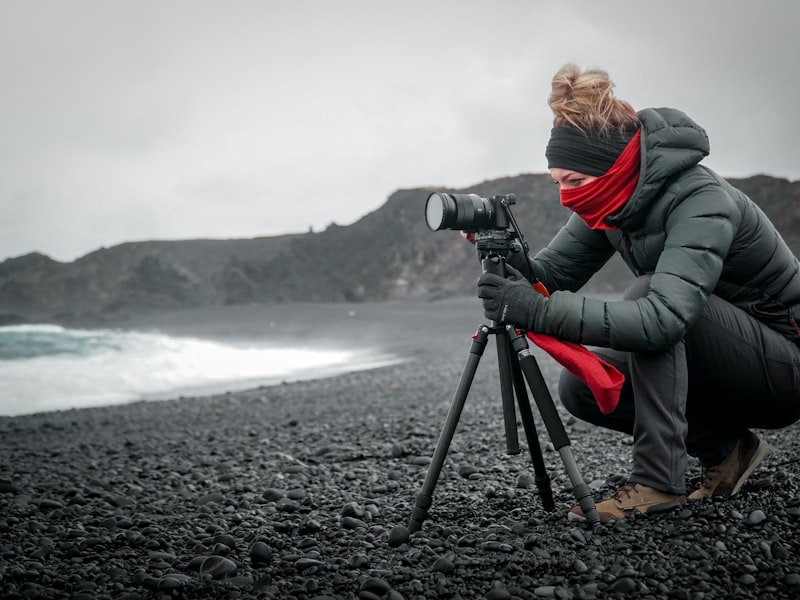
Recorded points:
(585, 100)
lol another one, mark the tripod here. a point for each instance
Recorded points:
(512, 368)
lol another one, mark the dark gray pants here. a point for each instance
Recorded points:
(729, 373)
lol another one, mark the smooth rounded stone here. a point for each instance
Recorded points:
(545, 591)
(359, 561)
(579, 566)
(375, 585)
(273, 494)
(260, 553)
(310, 526)
(159, 556)
(226, 539)
(21, 500)
(467, 471)
(172, 581)
(305, 563)
(761, 484)
(756, 517)
(577, 535)
(217, 566)
(443, 565)
(117, 501)
(525, 481)
(498, 594)
(49, 504)
(398, 535)
(353, 523)
(147, 581)
(216, 497)
(495, 546)
(623, 585)
(287, 505)
(352, 509)
(297, 494)
(466, 540)
(792, 579)
(221, 549)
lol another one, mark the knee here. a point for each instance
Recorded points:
(572, 392)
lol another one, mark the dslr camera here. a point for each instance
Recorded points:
(490, 219)
(467, 212)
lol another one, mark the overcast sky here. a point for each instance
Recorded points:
(163, 119)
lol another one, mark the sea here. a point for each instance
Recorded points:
(49, 367)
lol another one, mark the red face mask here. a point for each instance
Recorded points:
(608, 193)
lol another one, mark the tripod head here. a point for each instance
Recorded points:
(495, 244)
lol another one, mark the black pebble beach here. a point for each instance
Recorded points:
(304, 490)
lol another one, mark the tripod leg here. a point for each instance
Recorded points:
(552, 421)
(507, 391)
(541, 478)
(425, 497)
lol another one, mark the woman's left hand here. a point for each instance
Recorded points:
(509, 299)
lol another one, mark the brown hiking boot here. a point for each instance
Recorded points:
(726, 478)
(631, 498)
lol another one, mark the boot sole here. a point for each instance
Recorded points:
(654, 509)
(758, 457)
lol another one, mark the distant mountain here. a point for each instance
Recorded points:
(389, 254)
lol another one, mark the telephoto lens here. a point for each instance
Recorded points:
(464, 212)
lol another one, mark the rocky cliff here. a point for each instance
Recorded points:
(389, 254)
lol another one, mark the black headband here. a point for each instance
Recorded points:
(589, 153)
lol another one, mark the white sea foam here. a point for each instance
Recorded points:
(47, 367)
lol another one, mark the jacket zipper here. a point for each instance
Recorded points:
(627, 253)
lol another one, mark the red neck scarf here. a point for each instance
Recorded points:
(605, 195)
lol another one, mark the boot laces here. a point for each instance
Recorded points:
(710, 477)
(626, 490)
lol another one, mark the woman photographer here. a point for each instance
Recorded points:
(706, 335)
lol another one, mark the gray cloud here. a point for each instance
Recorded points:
(153, 120)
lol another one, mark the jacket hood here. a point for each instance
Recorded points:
(671, 142)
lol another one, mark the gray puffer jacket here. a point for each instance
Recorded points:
(691, 230)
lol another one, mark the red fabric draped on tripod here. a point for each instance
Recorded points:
(603, 379)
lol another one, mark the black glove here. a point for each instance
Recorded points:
(519, 260)
(509, 300)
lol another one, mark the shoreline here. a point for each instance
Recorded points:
(377, 335)
(303, 490)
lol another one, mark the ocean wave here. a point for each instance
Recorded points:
(48, 367)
